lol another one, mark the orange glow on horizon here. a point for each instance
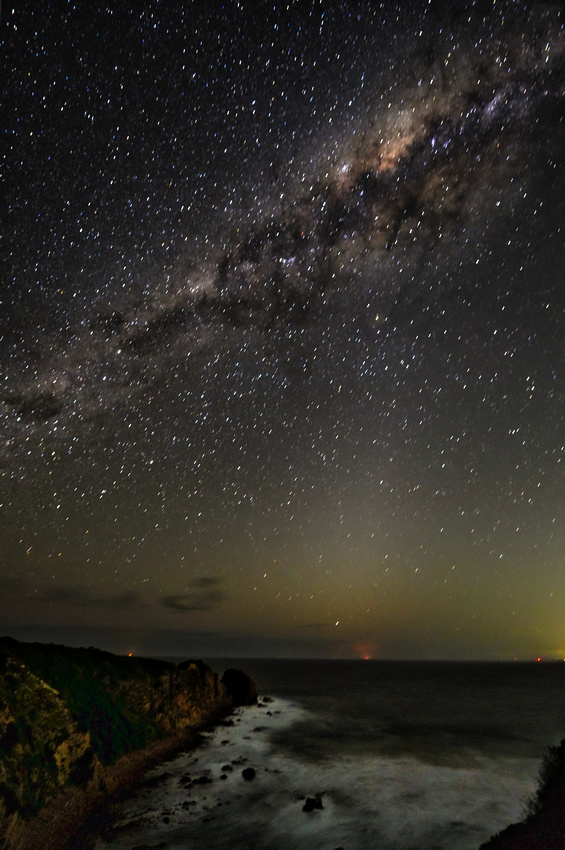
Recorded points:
(365, 651)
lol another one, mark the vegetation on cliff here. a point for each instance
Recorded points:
(68, 713)
(544, 825)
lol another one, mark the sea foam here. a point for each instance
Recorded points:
(201, 800)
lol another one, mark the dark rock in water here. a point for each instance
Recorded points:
(241, 687)
(160, 846)
(312, 803)
(248, 773)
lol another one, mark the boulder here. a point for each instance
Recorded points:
(312, 803)
(241, 687)
(248, 773)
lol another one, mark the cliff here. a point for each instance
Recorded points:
(543, 828)
(67, 716)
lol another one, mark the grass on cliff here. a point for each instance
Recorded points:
(89, 682)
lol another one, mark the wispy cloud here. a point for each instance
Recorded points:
(83, 598)
(72, 596)
(204, 594)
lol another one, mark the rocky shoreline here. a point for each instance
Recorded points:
(75, 815)
(79, 727)
(225, 793)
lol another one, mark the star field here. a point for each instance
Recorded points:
(282, 328)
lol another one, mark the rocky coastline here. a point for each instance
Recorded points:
(79, 727)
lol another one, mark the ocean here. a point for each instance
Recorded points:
(356, 755)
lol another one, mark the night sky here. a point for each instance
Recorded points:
(282, 328)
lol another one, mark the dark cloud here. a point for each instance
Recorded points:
(182, 643)
(73, 596)
(83, 598)
(205, 595)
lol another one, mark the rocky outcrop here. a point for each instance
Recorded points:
(68, 715)
(242, 687)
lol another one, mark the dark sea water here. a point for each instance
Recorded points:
(396, 756)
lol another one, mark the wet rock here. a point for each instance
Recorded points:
(248, 773)
(155, 781)
(312, 803)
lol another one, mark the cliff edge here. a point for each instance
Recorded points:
(543, 828)
(69, 716)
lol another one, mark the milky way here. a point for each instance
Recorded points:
(283, 318)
